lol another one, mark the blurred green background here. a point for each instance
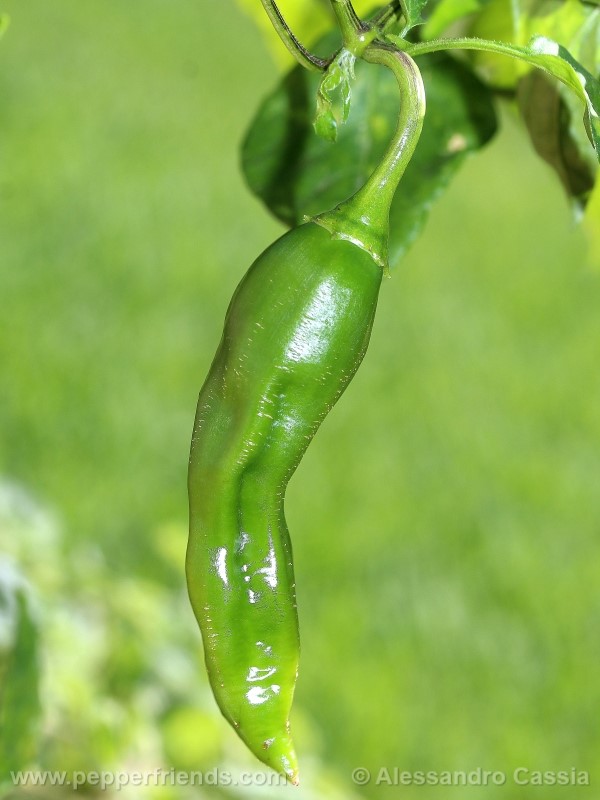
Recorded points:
(445, 520)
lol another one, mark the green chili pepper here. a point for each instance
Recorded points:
(295, 333)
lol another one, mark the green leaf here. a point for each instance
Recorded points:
(548, 115)
(297, 174)
(558, 62)
(19, 676)
(4, 22)
(411, 10)
(550, 109)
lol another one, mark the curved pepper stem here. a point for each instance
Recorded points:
(364, 218)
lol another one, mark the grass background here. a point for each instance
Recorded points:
(445, 520)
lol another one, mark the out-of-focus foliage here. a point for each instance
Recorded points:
(592, 226)
(19, 675)
(444, 13)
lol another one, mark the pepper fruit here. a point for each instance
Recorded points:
(295, 333)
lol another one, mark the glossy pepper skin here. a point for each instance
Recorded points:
(295, 333)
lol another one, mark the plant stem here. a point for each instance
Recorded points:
(387, 16)
(464, 43)
(356, 34)
(300, 53)
(364, 217)
(381, 186)
(353, 30)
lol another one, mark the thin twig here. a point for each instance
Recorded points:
(300, 53)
